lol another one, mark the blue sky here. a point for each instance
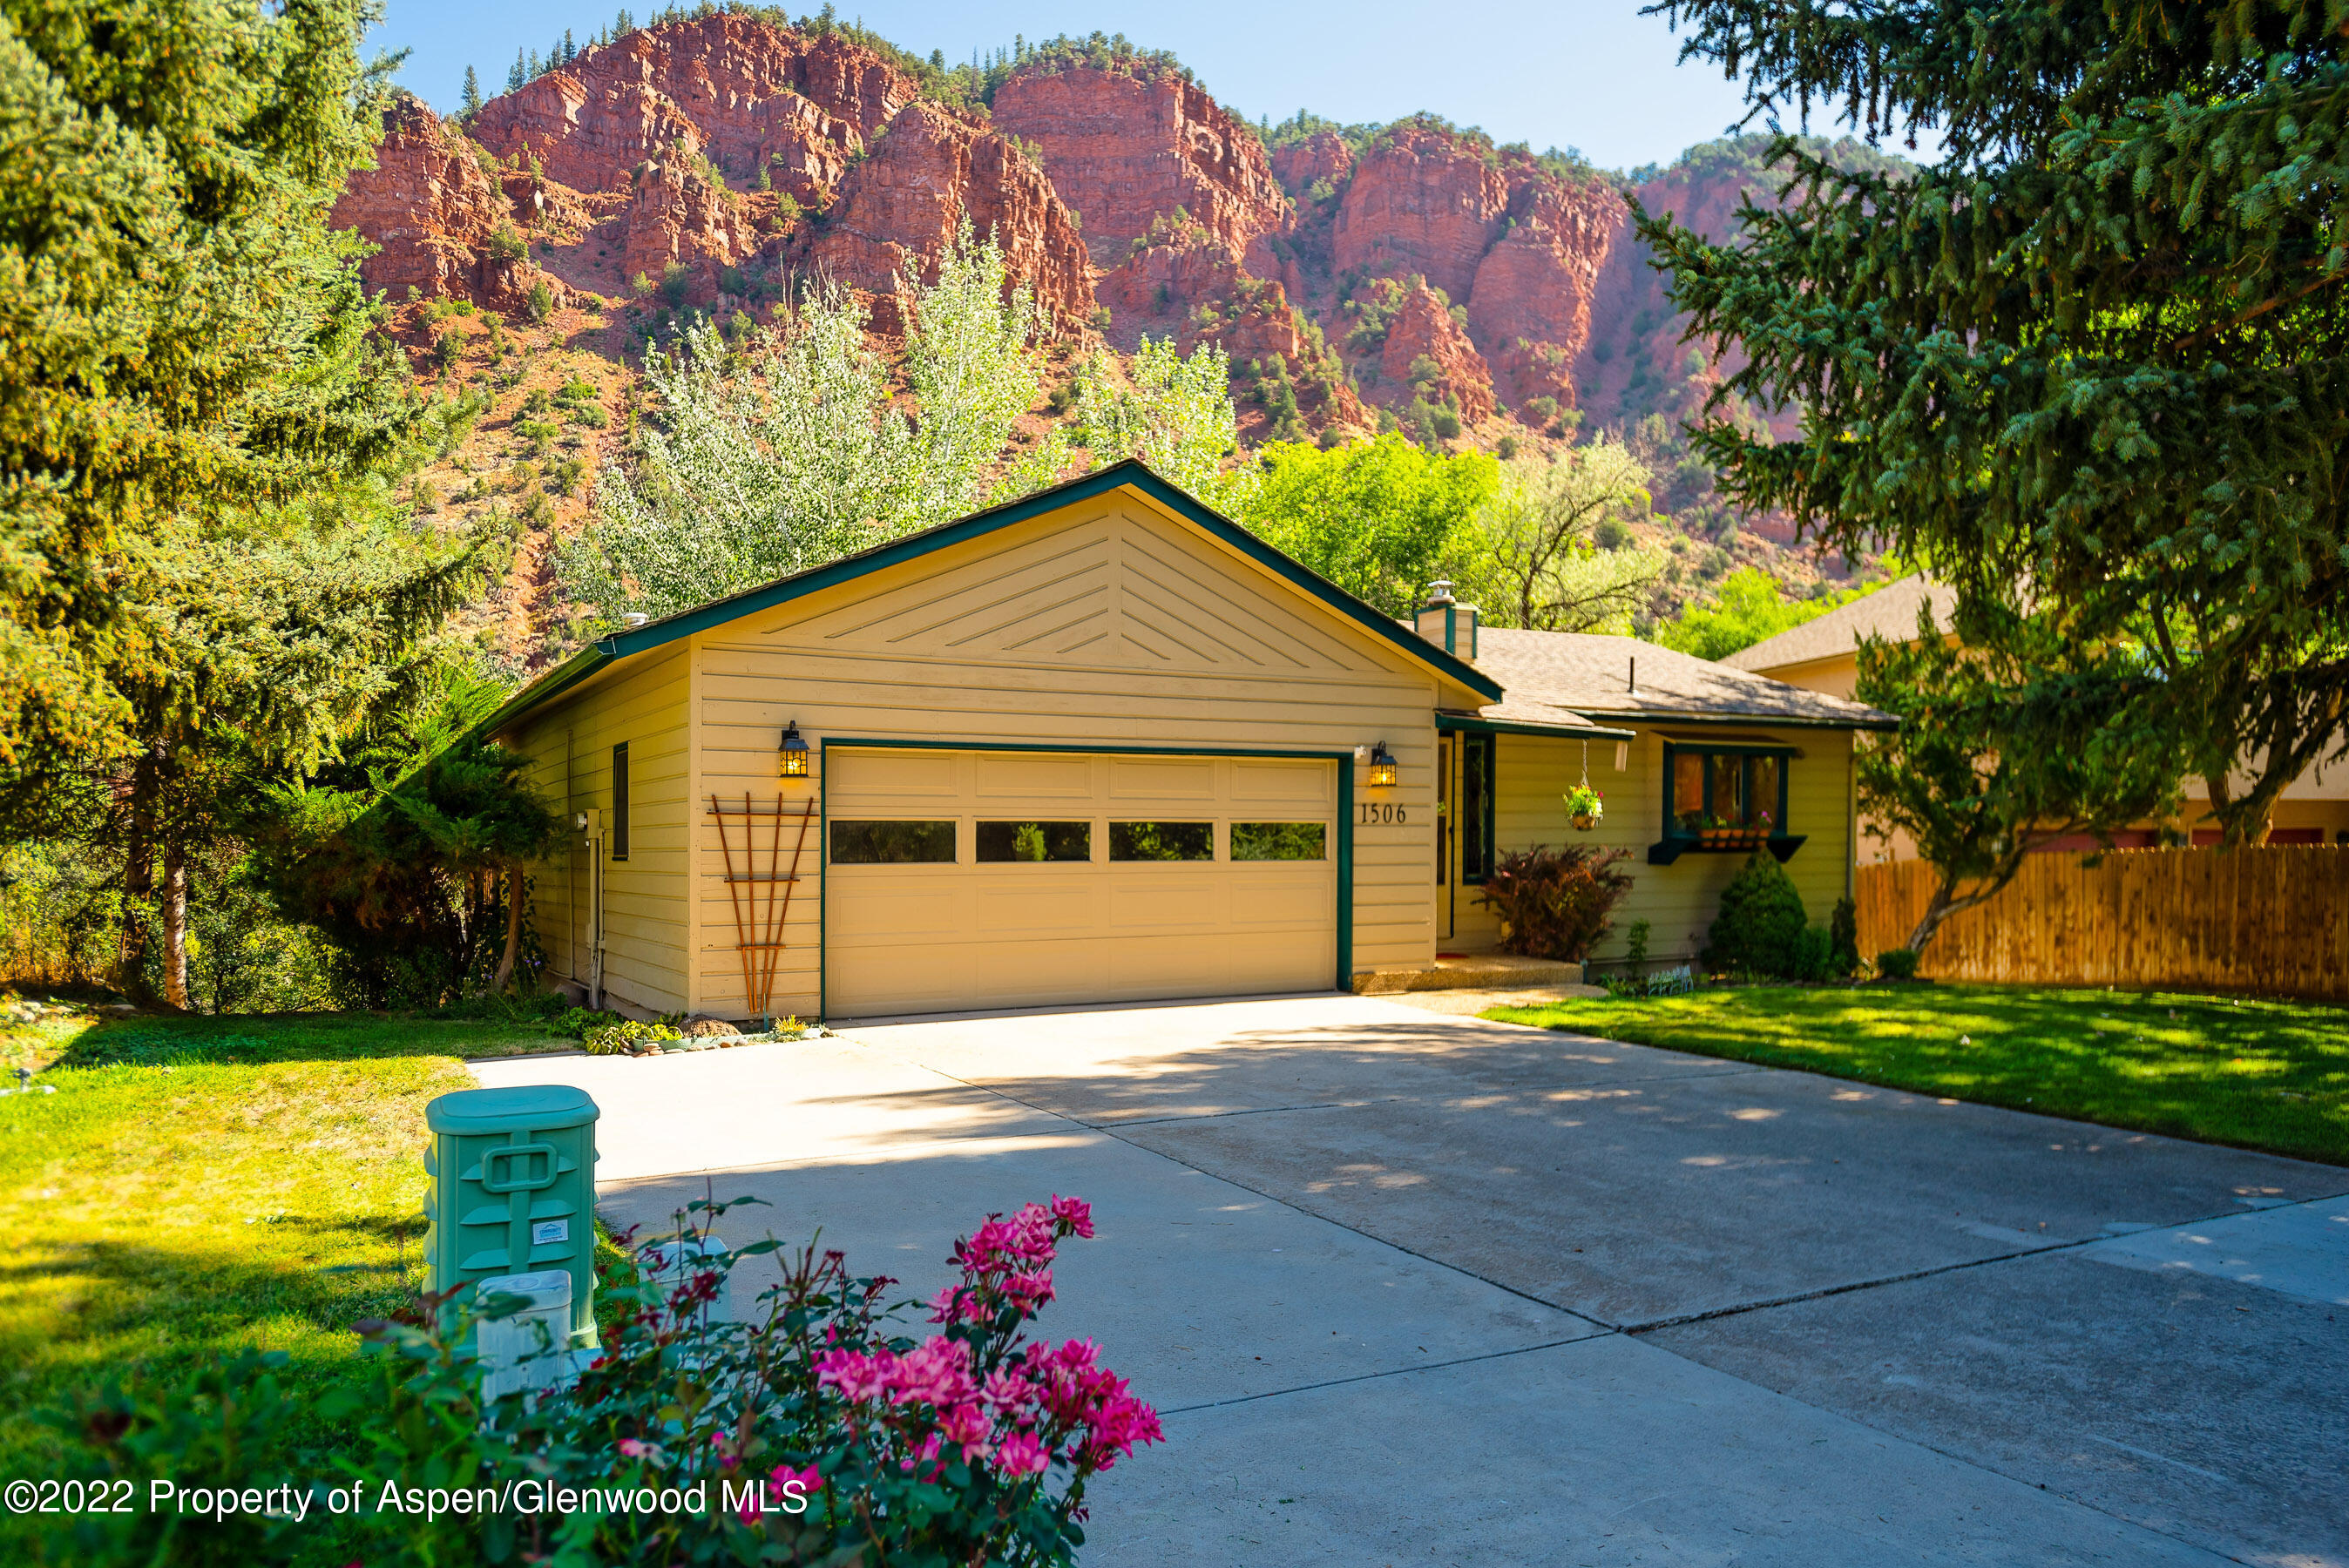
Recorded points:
(1596, 75)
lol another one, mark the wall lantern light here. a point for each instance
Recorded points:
(1383, 772)
(793, 752)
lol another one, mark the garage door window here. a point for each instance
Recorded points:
(1162, 840)
(1035, 842)
(1278, 841)
(893, 844)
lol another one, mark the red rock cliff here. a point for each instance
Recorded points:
(1125, 150)
(929, 173)
(727, 87)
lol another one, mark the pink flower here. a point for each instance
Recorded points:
(787, 1485)
(934, 1372)
(858, 1377)
(1020, 1454)
(958, 1303)
(969, 1426)
(1029, 1290)
(631, 1449)
(1075, 1214)
(1009, 1390)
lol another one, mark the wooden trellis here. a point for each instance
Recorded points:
(762, 900)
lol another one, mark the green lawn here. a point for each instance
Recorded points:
(196, 1185)
(2261, 1075)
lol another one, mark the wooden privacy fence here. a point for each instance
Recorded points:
(2271, 920)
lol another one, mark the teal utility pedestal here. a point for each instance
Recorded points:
(514, 1192)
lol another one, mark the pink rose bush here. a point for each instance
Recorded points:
(825, 1429)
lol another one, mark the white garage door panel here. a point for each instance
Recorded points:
(913, 938)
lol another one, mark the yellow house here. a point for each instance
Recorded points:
(1102, 745)
(1823, 655)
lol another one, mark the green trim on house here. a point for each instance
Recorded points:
(1344, 806)
(1132, 473)
(1448, 724)
(546, 687)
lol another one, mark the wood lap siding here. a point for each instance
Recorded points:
(1101, 625)
(2270, 920)
(1679, 901)
(645, 941)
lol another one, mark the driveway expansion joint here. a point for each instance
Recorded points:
(1390, 1372)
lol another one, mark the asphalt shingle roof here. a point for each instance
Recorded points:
(1592, 675)
(1889, 613)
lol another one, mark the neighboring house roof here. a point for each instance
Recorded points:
(1133, 473)
(1889, 613)
(1587, 673)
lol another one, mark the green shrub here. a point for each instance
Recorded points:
(676, 282)
(1843, 938)
(539, 303)
(1555, 903)
(1897, 964)
(590, 415)
(1814, 955)
(1759, 930)
(577, 1021)
(506, 244)
(611, 1039)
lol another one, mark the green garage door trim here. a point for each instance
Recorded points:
(1344, 978)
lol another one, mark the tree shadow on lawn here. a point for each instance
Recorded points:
(256, 1039)
(77, 1313)
(2257, 1074)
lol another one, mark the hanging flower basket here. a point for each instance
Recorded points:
(1584, 807)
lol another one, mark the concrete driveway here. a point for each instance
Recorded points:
(1412, 1288)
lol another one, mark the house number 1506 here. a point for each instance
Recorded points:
(1381, 812)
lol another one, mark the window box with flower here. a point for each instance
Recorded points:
(1727, 797)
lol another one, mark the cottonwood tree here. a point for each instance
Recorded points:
(1381, 519)
(2092, 361)
(1173, 413)
(1542, 569)
(794, 450)
(2005, 746)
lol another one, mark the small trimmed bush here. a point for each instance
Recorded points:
(1759, 930)
(1897, 964)
(1555, 903)
(1843, 940)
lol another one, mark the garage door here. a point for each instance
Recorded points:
(964, 880)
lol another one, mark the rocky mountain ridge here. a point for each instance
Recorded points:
(1414, 275)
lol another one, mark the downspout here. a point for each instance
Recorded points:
(1851, 813)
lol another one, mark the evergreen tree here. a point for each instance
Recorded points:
(2092, 362)
(181, 337)
(408, 850)
(519, 76)
(469, 101)
(570, 49)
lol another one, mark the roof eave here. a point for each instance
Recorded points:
(1872, 719)
(1476, 724)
